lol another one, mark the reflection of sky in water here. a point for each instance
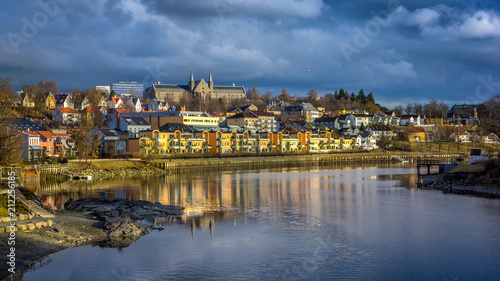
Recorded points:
(295, 224)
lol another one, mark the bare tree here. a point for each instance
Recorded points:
(409, 109)
(285, 95)
(418, 108)
(267, 97)
(489, 115)
(10, 141)
(253, 94)
(398, 109)
(384, 142)
(86, 143)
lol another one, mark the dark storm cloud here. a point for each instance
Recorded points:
(236, 8)
(402, 51)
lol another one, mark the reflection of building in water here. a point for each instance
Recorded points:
(241, 191)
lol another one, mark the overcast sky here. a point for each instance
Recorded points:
(402, 51)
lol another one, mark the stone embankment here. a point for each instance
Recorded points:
(117, 169)
(461, 185)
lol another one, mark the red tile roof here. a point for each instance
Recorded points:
(123, 110)
(115, 99)
(68, 110)
(31, 133)
(47, 134)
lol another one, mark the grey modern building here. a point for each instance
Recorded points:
(127, 87)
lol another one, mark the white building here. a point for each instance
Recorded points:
(358, 119)
(157, 105)
(30, 146)
(381, 131)
(131, 125)
(103, 89)
(415, 120)
(66, 115)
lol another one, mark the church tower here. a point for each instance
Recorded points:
(191, 82)
(210, 82)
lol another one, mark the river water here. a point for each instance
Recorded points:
(304, 223)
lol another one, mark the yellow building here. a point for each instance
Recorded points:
(416, 134)
(156, 142)
(50, 101)
(219, 142)
(341, 143)
(262, 121)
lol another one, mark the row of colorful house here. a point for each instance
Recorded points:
(36, 145)
(157, 142)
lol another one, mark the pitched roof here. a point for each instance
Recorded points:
(170, 88)
(109, 132)
(62, 135)
(262, 113)
(90, 108)
(115, 100)
(379, 128)
(122, 110)
(47, 134)
(61, 98)
(31, 133)
(246, 106)
(228, 89)
(243, 115)
(172, 127)
(68, 110)
(21, 123)
(135, 121)
(326, 119)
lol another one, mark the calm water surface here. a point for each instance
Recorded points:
(291, 224)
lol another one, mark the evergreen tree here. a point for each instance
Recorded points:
(343, 94)
(361, 97)
(370, 98)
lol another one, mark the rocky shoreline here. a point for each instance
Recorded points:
(104, 222)
(137, 169)
(463, 186)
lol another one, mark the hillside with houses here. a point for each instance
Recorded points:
(97, 124)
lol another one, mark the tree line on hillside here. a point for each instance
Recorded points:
(340, 99)
(432, 109)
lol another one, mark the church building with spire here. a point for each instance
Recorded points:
(206, 90)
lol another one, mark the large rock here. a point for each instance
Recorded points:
(135, 209)
(119, 216)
